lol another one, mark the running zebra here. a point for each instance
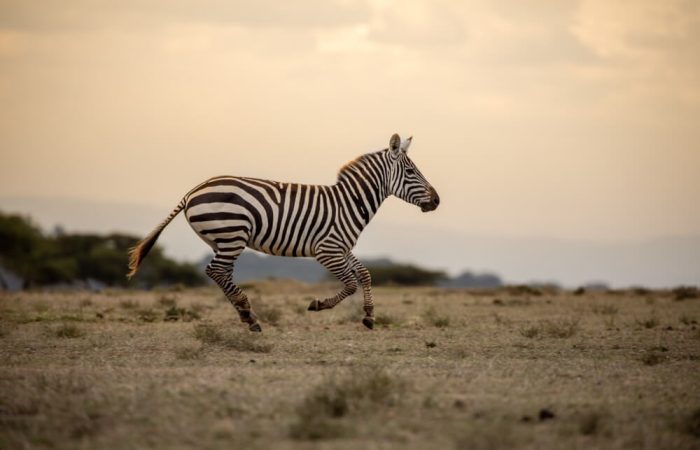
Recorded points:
(289, 219)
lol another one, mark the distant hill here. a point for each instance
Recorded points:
(252, 265)
(471, 280)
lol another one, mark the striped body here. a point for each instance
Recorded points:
(284, 219)
(290, 219)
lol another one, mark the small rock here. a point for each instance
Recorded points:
(431, 344)
(459, 404)
(252, 361)
(526, 419)
(546, 414)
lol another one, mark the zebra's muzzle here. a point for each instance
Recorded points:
(432, 204)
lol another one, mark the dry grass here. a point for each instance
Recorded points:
(227, 337)
(560, 328)
(69, 331)
(364, 391)
(450, 369)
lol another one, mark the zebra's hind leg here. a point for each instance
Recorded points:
(337, 264)
(220, 269)
(365, 280)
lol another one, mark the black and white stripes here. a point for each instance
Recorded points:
(289, 219)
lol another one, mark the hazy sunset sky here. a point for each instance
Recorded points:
(559, 119)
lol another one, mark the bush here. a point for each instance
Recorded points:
(685, 293)
(42, 260)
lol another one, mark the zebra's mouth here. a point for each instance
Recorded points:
(432, 203)
(428, 206)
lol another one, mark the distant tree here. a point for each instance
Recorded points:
(66, 257)
(24, 250)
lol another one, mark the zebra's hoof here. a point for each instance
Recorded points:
(368, 322)
(255, 327)
(315, 305)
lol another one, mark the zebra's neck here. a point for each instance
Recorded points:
(363, 185)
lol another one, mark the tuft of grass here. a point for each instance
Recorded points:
(186, 315)
(562, 328)
(652, 358)
(431, 316)
(128, 304)
(685, 293)
(69, 331)
(605, 309)
(189, 353)
(651, 322)
(530, 331)
(687, 320)
(386, 320)
(40, 306)
(363, 391)
(167, 301)
(268, 313)
(86, 302)
(147, 315)
(500, 320)
(225, 337)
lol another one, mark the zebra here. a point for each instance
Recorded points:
(289, 219)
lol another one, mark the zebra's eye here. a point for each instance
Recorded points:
(410, 171)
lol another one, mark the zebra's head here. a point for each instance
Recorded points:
(406, 182)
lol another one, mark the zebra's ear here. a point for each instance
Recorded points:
(395, 143)
(405, 144)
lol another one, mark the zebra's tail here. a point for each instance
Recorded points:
(140, 250)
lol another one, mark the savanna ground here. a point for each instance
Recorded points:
(448, 369)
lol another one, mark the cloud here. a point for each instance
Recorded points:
(417, 23)
(651, 48)
(57, 15)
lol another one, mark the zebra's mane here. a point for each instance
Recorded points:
(359, 161)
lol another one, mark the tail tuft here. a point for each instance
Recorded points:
(140, 250)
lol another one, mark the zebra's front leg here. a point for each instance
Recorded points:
(338, 265)
(221, 271)
(365, 280)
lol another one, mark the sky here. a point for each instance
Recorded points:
(544, 120)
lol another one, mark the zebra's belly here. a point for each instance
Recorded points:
(294, 251)
(221, 223)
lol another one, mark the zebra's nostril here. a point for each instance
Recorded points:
(436, 200)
